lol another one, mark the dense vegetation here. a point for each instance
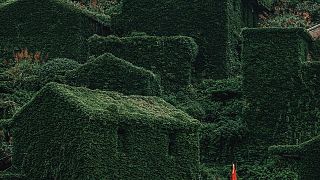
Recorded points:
(167, 51)
(292, 13)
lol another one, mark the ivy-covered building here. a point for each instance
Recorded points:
(280, 85)
(54, 28)
(169, 57)
(110, 73)
(67, 132)
(214, 24)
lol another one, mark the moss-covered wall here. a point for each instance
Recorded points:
(222, 129)
(108, 72)
(311, 77)
(67, 132)
(209, 22)
(52, 27)
(281, 108)
(169, 57)
(305, 157)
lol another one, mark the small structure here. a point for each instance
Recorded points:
(170, 57)
(108, 72)
(55, 28)
(306, 156)
(68, 132)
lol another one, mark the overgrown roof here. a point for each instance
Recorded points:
(303, 33)
(67, 132)
(111, 73)
(100, 101)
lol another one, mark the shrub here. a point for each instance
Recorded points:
(24, 74)
(289, 13)
(7, 109)
(55, 70)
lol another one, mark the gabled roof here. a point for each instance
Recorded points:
(111, 73)
(100, 18)
(97, 101)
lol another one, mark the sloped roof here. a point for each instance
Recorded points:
(108, 72)
(100, 101)
(100, 18)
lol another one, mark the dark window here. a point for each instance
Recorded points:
(172, 148)
(122, 140)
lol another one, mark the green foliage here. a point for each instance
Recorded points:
(19, 96)
(55, 70)
(52, 27)
(287, 20)
(106, 7)
(23, 75)
(7, 109)
(213, 173)
(218, 104)
(16, 80)
(12, 101)
(213, 25)
(305, 154)
(85, 134)
(292, 13)
(223, 128)
(219, 141)
(66, 132)
(169, 57)
(315, 50)
(266, 3)
(10, 176)
(272, 169)
(281, 91)
(5, 85)
(108, 72)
